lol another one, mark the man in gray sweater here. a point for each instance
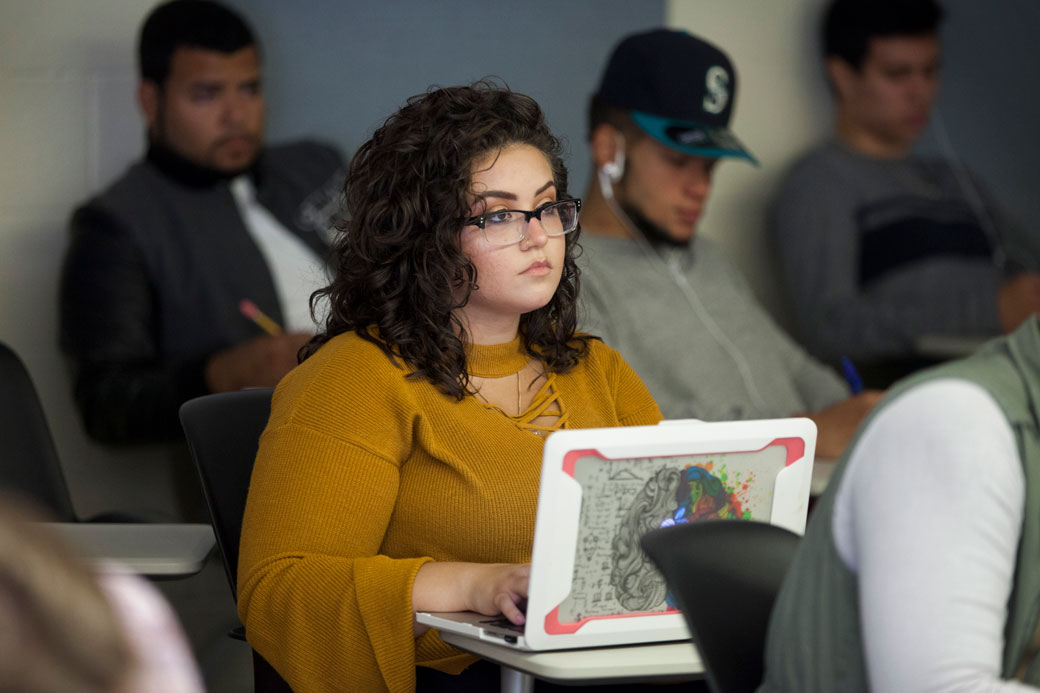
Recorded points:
(886, 252)
(665, 297)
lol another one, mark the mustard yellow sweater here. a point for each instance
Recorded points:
(364, 475)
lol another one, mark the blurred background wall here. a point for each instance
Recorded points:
(68, 125)
(340, 68)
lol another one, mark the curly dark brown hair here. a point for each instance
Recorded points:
(398, 262)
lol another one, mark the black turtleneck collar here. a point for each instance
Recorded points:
(193, 175)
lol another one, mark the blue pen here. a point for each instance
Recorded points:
(851, 376)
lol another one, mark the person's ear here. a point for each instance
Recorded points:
(842, 76)
(149, 101)
(603, 144)
(608, 151)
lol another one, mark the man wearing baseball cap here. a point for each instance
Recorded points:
(665, 297)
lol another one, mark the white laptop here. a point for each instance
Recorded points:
(603, 488)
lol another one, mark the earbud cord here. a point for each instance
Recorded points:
(972, 195)
(606, 187)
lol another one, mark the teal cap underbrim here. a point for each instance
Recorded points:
(702, 140)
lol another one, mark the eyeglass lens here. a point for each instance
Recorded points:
(509, 226)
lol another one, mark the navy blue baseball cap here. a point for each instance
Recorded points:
(678, 88)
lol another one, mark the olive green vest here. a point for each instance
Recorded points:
(814, 636)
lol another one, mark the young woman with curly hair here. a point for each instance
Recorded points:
(399, 469)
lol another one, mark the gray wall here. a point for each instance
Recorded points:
(990, 103)
(68, 124)
(337, 69)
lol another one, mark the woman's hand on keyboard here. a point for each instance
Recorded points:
(500, 588)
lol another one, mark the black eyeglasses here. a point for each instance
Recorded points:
(508, 226)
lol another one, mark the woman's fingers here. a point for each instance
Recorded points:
(503, 590)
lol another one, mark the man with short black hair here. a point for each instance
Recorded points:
(885, 251)
(171, 269)
(658, 292)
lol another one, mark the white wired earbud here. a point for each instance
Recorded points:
(612, 171)
(973, 196)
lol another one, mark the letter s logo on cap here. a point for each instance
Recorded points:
(716, 80)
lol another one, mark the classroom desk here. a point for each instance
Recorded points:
(948, 346)
(154, 550)
(654, 662)
(821, 474)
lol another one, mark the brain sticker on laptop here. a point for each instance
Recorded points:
(612, 575)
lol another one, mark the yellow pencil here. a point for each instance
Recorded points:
(251, 311)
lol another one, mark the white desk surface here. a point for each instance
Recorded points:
(669, 661)
(161, 550)
(948, 346)
(821, 475)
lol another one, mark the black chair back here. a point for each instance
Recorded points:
(223, 433)
(725, 575)
(29, 463)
